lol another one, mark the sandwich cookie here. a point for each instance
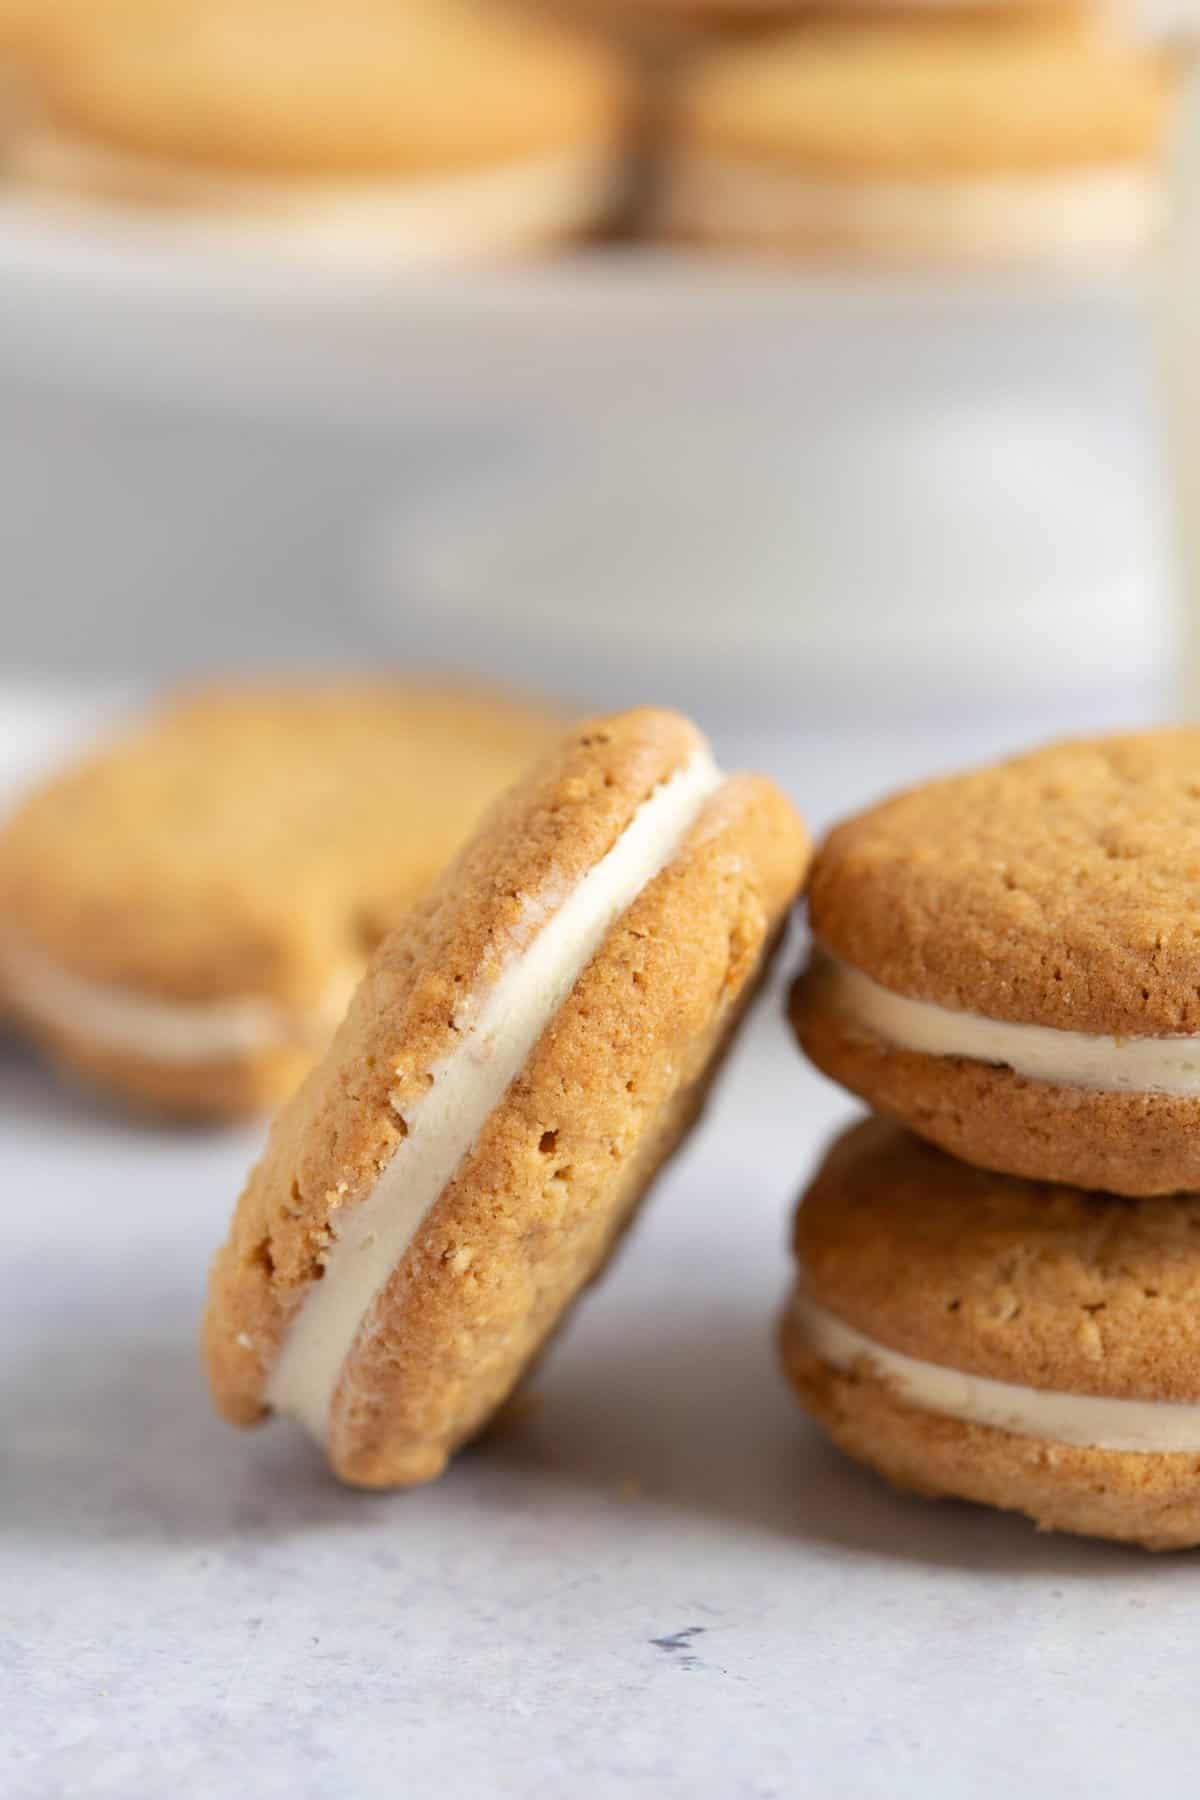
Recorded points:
(408, 130)
(519, 1060)
(184, 914)
(1009, 962)
(1030, 1347)
(910, 140)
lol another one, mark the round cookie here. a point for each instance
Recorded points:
(1029, 1347)
(412, 129)
(185, 912)
(519, 1060)
(907, 140)
(1008, 962)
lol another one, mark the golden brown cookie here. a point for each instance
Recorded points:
(185, 912)
(1030, 1347)
(909, 139)
(519, 1060)
(1008, 962)
(416, 129)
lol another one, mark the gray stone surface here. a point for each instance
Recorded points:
(659, 1581)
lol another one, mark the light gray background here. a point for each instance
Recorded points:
(658, 1581)
(730, 491)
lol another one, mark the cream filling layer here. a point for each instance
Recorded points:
(1104, 211)
(1141, 1065)
(1085, 1421)
(496, 1037)
(160, 1031)
(409, 217)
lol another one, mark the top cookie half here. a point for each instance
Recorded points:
(519, 1060)
(1009, 961)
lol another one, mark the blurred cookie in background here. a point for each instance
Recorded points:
(908, 140)
(415, 130)
(185, 912)
(663, 23)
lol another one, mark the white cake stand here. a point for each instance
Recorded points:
(657, 472)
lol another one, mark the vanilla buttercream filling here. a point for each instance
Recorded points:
(1085, 1421)
(1071, 214)
(495, 1035)
(1118, 1065)
(155, 1030)
(411, 217)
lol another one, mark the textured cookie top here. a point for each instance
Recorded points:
(256, 839)
(1059, 889)
(909, 99)
(690, 941)
(359, 87)
(1046, 1287)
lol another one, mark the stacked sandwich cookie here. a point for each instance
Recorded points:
(908, 140)
(1007, 964)
(521, 1057)
(408, 131)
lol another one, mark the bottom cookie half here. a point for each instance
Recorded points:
(1133, 1497)
(233, 1087)
(1140, 1144)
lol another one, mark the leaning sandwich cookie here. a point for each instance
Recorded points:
(905, 140)
(1007, 961)
(415, 130)
(1030, 1347)
(185, 911)
(516, 1065)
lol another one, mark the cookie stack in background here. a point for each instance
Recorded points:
(434, 131)
(1005, 1307)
